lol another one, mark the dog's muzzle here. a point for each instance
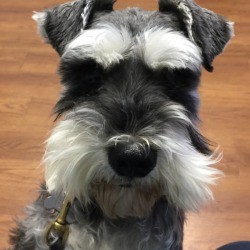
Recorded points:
(132, 160)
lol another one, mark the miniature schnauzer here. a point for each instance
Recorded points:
(126, 159)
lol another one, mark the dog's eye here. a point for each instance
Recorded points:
(178, 80)
(82, 77)
(181, 87)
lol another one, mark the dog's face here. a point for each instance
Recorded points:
(129, 103)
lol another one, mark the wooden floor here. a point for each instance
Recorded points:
(29, 88)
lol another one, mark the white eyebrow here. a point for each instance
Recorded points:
(167, 48)
(157, 47)
(105, 44)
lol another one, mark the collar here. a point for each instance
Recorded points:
(67, 213)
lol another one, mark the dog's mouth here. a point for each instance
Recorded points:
(120, 182)
(126, 185)
(125, 199)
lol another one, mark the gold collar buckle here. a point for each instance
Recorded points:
(58, 229)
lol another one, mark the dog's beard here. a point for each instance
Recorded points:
(120, 202)
(76, 164)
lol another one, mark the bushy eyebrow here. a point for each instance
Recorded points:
(158, 48)
(105, 44)
(165, 48)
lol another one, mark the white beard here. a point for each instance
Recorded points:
(76, 164)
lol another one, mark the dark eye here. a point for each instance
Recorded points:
(181, 87)
(178, 80)
(82, 77)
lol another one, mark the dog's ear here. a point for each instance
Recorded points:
(211, 32)
(59, 25)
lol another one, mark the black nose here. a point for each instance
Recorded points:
(132, 160)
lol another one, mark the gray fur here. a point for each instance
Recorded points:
(103, 106)
(209, 30)
(64, 22)
(211, 33)
(164, 225)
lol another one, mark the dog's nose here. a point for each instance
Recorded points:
(131, 160)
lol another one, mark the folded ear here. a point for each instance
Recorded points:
(211, 32)
(59, 25)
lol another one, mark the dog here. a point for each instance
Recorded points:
(126, 160)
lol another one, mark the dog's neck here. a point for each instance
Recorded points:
(147, 231)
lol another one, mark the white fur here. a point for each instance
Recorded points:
(106, 45)
(77, 165)
(230, 25)
(187, 18)
(76, 158)
(40, 18)
(167, 48)
(184, 172)
(231, 28)
(158, 48)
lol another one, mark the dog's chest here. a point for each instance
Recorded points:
(108, 238)
(133, 235)
(162, 230)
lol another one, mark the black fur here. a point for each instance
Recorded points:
(131, 96)
(17, 239)
(130, 85)
(211, 31)
(64, 22)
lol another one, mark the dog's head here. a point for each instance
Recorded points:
(129, 103)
